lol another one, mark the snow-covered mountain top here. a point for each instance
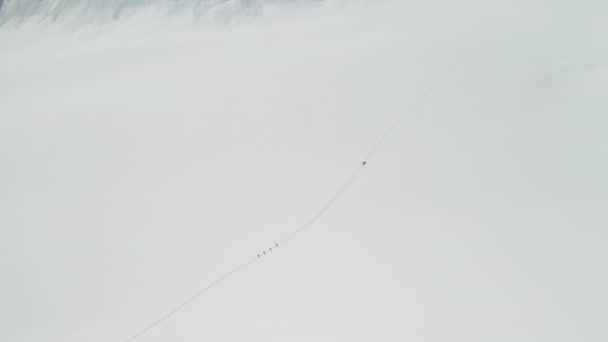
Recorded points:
(17, 12)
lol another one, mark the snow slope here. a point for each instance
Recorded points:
(15, 12)
(144, 156)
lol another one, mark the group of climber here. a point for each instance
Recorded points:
(276, 245)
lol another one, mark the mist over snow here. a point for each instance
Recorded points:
(148, 147)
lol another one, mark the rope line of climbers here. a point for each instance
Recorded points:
(350, 180)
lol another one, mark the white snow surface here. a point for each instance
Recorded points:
(144, 156)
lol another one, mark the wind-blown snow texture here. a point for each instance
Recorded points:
(142, 157)
(104, 10)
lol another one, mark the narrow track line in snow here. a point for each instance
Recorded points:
(350, 180)
(387, 133)
(326, 207)
(417, 104)
(217, 281)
